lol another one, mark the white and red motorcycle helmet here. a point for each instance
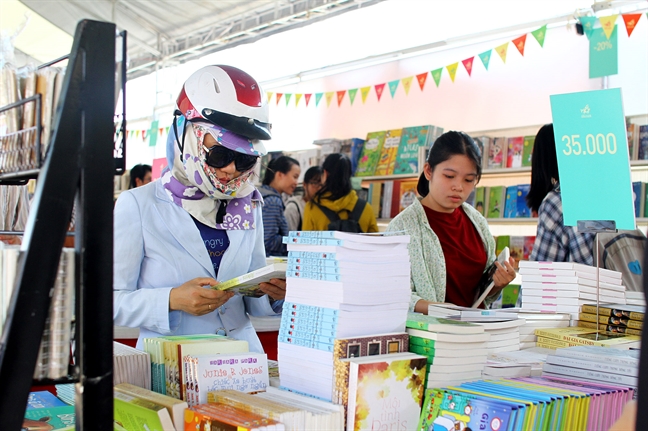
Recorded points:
(228, 97)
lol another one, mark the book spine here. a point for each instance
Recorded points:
(594, 365)
(308, 326)
(420, 341)
(326, 234)
(591, 375)
(422, 350)
(327, 347)
(552, 342)
(308, 333)
(314, 276)
(311, 264)
(311, 255)
(591, 309)
(313, 241)
(310, 321)
(294, 309)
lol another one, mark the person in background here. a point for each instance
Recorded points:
(295, 205)
(450, 243)
(554, 241)
(337, 195)
(140, 175)
(280, 177)
(201, 223)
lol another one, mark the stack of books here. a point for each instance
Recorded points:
(131, 365)
(635, 298)
(563, 287)
(619, 318)
(338, 285)
(145, 409)
(594, 363)
(554, 338)
(534, 320)
(520, 363)
(504, 334)
(456, 351)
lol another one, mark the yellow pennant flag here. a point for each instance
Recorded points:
(406, 83)
(298, 97)
(452, 70)
(329, 97)
(269, 93)
(607, 23)
(364, 91)
(501, 51)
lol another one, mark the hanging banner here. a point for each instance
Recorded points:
(279, 97)
(539, 35)
(364, 92)
(288, 95)
(588, 23)
(340, 96)
(269, 93)
(593, 162)
(393, 86)
(630, 20)
(352, 95)
(329, 97)
(485, 57)
(421, 78)
(468, 64)
(307, 98)
(502, 50)
(603, 55)
(379, 90)
(607, 24)
(452, 70)
(436, 74)
(519, 43)
(153, 134)
(407, 82)
(318, 97)
(298, 97)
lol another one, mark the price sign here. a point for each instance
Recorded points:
(593, 162)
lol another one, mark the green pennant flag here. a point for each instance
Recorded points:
(153, 133)
(485, 57)
(352, 94)
(436, 74)
(540, 34)
(287, 96)
(393, 86)
(318, 97)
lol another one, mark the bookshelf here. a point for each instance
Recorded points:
(79, 165)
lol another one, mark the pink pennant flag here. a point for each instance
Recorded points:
(379, 90)
(307, 98)
(468, 64)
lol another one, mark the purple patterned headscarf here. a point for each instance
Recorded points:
(192, 184)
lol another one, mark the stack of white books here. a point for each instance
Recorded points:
(338, 285)
(635, 298)
(520, 363)
(562, 287)
(537, 319)
(504, 335)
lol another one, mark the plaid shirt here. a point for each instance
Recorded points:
(556, 242)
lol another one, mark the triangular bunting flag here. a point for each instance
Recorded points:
(329, 97)
(288, 95)
(279, 97)
(468, 64)
(501, 51)
(607, 23)
(167, 129)
(340, 96)
(519, 43)
(588, 24)
(137, 133)
(379, 90)
(540, 34)
(318, 97)
(269, 93)
(160, 130)
(352, 95)
(298, 97)
(436, 74)
(364, 92)
(143, 135)
(407, 82)
(393, 85)
(421, 78)
(307, 98)
(485, 57)
(631, 20)
(452, 70)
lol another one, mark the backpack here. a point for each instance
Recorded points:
(349, 225)
(624, 252)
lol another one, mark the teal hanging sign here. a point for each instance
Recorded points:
(603, 55)
(593, 162)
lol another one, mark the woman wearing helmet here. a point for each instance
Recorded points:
(201, 223)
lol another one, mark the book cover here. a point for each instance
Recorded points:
(514, 152)
(50, 418)
(642, 153)
(388, 152)
(510, 202)
(370, 154)
(480, 199)
(134, 413)
(412, 138)
(174, 406)
(483, 142)
(497, 153)
(406, 194)
(529, 242)
(639, 197)
(527, 150)
(385, 391)
(522, 208)
(496, 197)
(633, 140)
(42, 400)
(248, 284)
(352, 148)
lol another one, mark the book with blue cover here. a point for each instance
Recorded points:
(510, 204)
(43, 399)
(412, 138)
(523, 209)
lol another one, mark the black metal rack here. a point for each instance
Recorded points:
(79, 163)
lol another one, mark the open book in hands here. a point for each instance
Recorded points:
(486, 283)
(248, 284)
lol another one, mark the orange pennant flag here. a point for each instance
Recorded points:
(501, 51)
(279, 97)
(379, 90)
(407, 82)
(519, 43)
(297, 98)
(364, 91)
(452, 70)
(329, 97)
(468, 64)
(631, 20)
(421, 78)
(307, 98)
(269, 93)
(607, 23)
(340, 96)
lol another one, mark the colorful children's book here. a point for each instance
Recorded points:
(133, 412)
(497, 151)
(50, 418)
(43, 399)
(496, 198)
(523, 209)
(370, 154)
(248, 284)
(406, 196)
(510, 202)
(352, 149)
(388, 152)
(514, 152)
(527, 150)
(412, 138)
(174, 406)
(385, 391)
(481, 194)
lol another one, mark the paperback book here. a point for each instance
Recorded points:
(248, 284)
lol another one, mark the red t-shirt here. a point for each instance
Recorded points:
(464, 253)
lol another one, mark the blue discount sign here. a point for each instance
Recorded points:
(593, 162)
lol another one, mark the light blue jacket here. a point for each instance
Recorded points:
(158, 247)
